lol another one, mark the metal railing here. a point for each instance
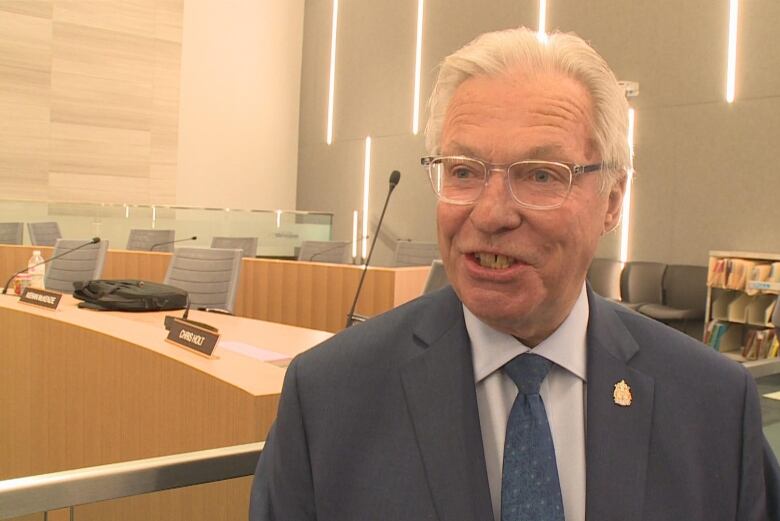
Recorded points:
(70, 488)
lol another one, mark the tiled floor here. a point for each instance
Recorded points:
(770, 409)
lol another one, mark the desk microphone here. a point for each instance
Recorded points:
(168, 321)
(395, 177)
(193, 238)
(94, 240)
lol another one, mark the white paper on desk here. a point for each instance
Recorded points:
(258, 353)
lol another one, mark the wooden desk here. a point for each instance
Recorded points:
(81, 388)
(306, 294)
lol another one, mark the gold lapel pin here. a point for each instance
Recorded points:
(622, 394)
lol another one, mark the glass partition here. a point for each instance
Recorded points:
(279, 232)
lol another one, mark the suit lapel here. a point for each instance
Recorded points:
(618, 437)
(441, 399)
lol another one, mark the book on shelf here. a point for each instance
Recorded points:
(765, 345)
(758, 344)
(740, 306)
(775, 348)
(774, 273)
(717, 273)
(714, 271)
(749, 350)
(759, 273)
(729, 273)
(714, 334)
(753, 344)
(739, 273)
(750, 276)
(708, 331)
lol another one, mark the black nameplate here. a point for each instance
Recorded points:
(192, 337)
(39, 297)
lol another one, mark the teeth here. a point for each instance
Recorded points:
(490, 260)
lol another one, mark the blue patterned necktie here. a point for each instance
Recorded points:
(530, 490)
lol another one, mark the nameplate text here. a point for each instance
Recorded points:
(41, 298)
(192, 337)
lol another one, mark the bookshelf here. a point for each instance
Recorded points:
(742, 288)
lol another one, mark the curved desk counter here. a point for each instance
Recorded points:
(81, 388)
(306, 294)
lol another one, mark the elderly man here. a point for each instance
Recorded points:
(518, 394)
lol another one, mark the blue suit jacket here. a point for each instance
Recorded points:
(381, 423)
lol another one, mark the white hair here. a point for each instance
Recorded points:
(497, 53)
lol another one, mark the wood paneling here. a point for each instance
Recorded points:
(135, 17)
(89, 99)
(81, 388)
(25, 79)
(38, 8)
(99, 151)
(318, 295)
(25, 41)
(168, 20)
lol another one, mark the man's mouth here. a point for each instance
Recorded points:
(493, 261)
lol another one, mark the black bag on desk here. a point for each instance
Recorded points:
(129, 295)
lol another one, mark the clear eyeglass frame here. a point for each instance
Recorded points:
(573, 169)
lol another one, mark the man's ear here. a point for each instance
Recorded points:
(614, 204)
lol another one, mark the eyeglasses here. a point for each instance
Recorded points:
(540, 185)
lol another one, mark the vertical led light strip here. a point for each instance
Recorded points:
(626, 216)
(332, 79)
(354, 233)
(417, 67)
(732, 58)
(542, 34)
(366, 179)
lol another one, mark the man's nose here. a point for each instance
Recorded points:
(496, 210)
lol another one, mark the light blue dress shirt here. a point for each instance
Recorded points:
(563, 392)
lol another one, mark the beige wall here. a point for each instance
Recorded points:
(238, 117)
(706, 176)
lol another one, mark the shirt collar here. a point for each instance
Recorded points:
(492, 349)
